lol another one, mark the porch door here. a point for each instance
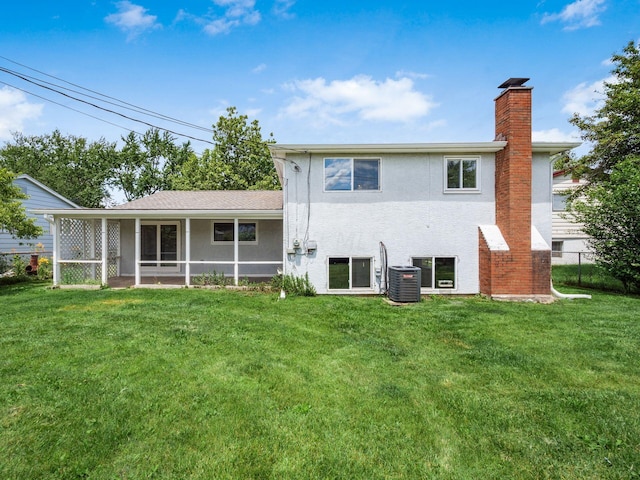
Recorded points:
(159, 241)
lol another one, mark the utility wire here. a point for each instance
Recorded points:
(22, 77)
(136, 108)
(70, 108)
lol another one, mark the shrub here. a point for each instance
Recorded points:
(294, 285)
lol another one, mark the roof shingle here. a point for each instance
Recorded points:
(208, 200)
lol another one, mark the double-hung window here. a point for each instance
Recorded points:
(436, 272)
(462, 174)
(223, 232)
(349, 174)
(346, 273)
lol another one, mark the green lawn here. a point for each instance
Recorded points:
(199, 384)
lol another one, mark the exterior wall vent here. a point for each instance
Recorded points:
(404, 284)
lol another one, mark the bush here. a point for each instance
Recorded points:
(294, 285)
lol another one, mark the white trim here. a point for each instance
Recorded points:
(24, 176)
(175, 264)
(231, 242)
(434, 287)
(462, 159)
(351, 288)
(352, 161)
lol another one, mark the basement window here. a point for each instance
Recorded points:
(347, 273)
(436, 272)
(350, 174)
(462, 174)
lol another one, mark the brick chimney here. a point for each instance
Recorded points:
(508, 265)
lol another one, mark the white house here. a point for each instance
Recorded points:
(569, 242)
(473, 217)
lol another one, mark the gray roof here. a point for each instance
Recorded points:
(208, 200)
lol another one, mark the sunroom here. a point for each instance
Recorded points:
(170, 238)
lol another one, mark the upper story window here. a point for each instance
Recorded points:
(462, 174)
(348, 174)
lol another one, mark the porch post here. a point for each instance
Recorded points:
(236, 231)
(56, 252)
(187, 252)
(137, 253)
(105, 249)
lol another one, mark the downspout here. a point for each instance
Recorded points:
(568, 296)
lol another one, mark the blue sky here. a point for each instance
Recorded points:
(310, 71)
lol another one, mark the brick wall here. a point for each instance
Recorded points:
(518, 271)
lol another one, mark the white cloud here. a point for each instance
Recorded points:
(579, 14)
(132, 18)
(15, 110)
(412, 75)
(554, 135)
(281, 8)
(260, 68)
(361, 96)
(585, 98)
(237, 13)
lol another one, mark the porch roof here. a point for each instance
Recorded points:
(194, 204)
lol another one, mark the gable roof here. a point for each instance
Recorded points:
(208, 200)
(28, 178)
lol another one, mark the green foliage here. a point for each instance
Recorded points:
(212, 278)
(13, 216)
(72, 166)
(294, 285)
(240, 159)
(149, 163)
(610, 212)
(614, 128)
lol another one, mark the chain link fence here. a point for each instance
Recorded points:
(579, 269)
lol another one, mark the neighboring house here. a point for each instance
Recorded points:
(473, 217)
(40, 197)
(569, 242)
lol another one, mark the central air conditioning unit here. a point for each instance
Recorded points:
(404, 284)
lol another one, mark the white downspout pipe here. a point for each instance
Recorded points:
(568, 296)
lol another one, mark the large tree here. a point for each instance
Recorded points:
(610, 212)
(13, 216)
(149, 163)
(72, 166)
(613, 130)
(240, 159)
(608, 204)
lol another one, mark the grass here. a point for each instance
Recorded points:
(205, 384)
(587, 275)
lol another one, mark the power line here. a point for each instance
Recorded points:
(24, 78)
(133, 107)
(69, 108)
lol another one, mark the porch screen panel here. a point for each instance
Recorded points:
(149, 247)
(168, 244)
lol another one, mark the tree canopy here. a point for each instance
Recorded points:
(614, 128)
(72, 166)
(240, 159)
(148, 163)
(13, 216)
(608, 205)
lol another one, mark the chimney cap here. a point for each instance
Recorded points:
(514, 82)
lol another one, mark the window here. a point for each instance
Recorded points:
(559, 202)
(223, 232)
(348, 174)
(437, 272)
(349, 273)
(462, 173)
(556, 249)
